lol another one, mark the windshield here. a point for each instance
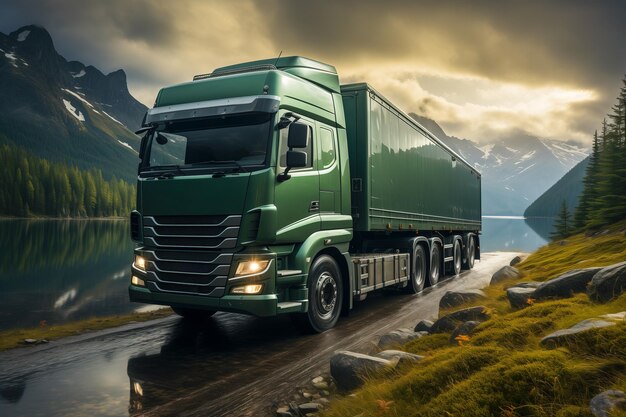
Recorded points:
(239, 141)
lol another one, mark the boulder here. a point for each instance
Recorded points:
(603, 404)
(515, 260)
(608, 283)
(399, 356)
(561, 337)
(456, 298)
(423, 326)
(450, 321)
(465, 329)
(565, 285)
(398, 337)
(505, 273)
(520, 297)
(349, 369)
(527, 284)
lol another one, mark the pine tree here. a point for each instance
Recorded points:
(562, 225)
(581, 216)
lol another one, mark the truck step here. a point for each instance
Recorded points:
(448, 259)
(290, 307)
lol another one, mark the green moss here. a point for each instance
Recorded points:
(503, 370)
(15, 338)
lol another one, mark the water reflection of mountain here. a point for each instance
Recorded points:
(60, 271)
(510, 234)
(543, 226)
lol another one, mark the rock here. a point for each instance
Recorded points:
(317, 379)
(520, 297)
(321, 385)
(505, 273)
(307, 395)
(565, 285)
(515, 260)
(309, 408)
(561, 337)
(323, 401)
(621, 316)
(398, 337)
(466, 329)
(456, 298)
(402, 358)
(30, 341)
(450, 321)
(423, 326)
(325, 393)
(349, 368)
(608, 283)
(283, 412)
(603, 404)
(528, 284)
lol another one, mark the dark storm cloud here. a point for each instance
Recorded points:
(538, 42)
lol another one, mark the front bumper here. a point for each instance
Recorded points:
(258, 305)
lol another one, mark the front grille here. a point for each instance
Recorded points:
(203, 273)
(195, 232)
(189, 254)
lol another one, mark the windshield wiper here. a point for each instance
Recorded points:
(164, 171)
(228, 162)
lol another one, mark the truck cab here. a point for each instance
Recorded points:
(240, 191)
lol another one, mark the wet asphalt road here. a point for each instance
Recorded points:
(232, 365)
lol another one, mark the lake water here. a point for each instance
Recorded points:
(55, 272)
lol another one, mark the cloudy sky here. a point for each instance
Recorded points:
(482, 69)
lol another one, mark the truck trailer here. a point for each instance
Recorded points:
(268, 188)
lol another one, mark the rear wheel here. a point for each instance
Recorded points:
(193, 314)
(457, 257)
(418, 275)
(325, 296)
(471, 254)
(435, 265)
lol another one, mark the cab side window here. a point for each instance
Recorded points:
(283, 150)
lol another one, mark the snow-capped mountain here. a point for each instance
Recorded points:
(515, 170)
(66, 111)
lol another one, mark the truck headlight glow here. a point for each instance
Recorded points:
(140, 262)
(251, 267)
(135, 280)
(248, 289)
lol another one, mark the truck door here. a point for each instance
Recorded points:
(329, 171)
(297, 199)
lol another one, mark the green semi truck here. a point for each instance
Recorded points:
(268, 188)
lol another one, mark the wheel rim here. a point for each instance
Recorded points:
(326, 295)
(434, 266)
(419, 271)
(457, 257)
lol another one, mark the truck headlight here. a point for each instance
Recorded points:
(252, 267)
(248, 289)
(140, 262)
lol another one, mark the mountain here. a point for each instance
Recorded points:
(567, 188)
(64, 110)
(516, 170)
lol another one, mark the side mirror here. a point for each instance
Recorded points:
(161, 139)
(298, 135)
(296, 159)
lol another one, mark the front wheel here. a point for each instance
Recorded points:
(192, 314)
(325, 296)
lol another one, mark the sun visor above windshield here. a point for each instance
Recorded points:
(219, 107)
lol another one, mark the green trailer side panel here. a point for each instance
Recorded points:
(408, 179)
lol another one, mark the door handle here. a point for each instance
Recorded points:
(314, 206)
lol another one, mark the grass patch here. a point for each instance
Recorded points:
(503, 370)
(10, 339)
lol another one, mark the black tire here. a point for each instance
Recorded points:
(325, 296)
(468, 263)
(418, 274)
(435, 265)
(457, 257)
(193, 314)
